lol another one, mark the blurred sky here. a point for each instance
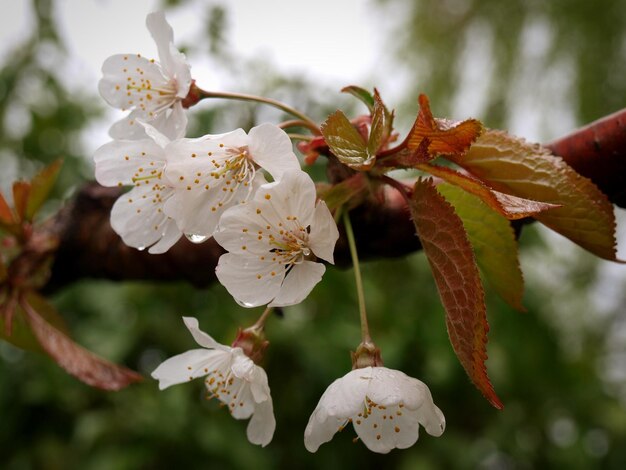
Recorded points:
(338, 49)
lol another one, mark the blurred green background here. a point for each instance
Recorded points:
(537, 68)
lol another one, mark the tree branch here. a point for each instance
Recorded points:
(89, 248)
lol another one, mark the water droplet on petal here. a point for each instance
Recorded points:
(193, 238)
(246, 304)
(141, 248)
(306, 251)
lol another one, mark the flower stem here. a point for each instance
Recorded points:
(365, 331)
(405, 191)
(306, 138)
(299, 123)
(260, 323)
(310, 124)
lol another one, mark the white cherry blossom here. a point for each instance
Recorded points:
(273, 242)
(230, 376)
(215, 172)
(385, 408)
(138, 216)
(151, 90)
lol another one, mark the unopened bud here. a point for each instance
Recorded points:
(253, 343)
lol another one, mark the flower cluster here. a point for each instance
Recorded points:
(275, 233)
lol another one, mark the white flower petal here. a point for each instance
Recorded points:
(127, 78)
(385, 406)
(170, 234)
(181, 72)
(319, 431)
(242, 225)
(239, 400)
(259, 386)
(136, 218)
(385, 429)
(324, 233)
(262, 424)
(294, 196)
(172, 123)
(202, 338)
(432, 418)
(174, 63)
(119, 161)
(242, 367)
(298, 283)
(186, 366)
(128, 128)
(155, 134)
(272, 149)
(345, 397)
(248, 279)
(163, 36)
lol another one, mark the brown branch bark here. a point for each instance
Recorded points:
(89, 248)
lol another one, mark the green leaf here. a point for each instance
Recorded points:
(514, 166)
(41, 185)
(511, 207)
(451, 259)
(346, 142)
(493, 241)
(362, 94)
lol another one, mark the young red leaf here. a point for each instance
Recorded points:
(445, 137)
(346, 142)
(41, 185)
(76, 360)
(382, 122)
(21, 191)
(493, 241)
(511, 207)
(514, 166)
(6, 215)
(454, 268)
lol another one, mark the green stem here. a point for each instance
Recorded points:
(260, 99)
(365, 331)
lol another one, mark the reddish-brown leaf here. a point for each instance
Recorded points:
(6, 215)
(446, 137)
(21, 190)
(76, 360)
(514, 166)
(454, 268)
(511, 207)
